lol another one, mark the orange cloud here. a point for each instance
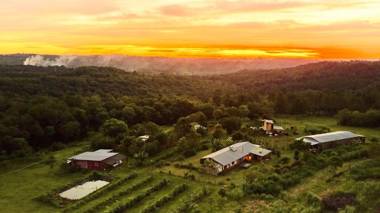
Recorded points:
(176, 10)
(215, 28)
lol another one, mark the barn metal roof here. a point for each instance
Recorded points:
(330, 137)
(234, 152)
(98, 155)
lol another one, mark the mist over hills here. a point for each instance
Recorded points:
(155, 65)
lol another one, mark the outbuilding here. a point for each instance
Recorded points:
(98, 160)
(331, 139)
(271, 129)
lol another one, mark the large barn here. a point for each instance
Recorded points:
(232, 156)
(331, 139)
(98, 160)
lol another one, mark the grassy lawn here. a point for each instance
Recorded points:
(21, 181)
(301, 121)
(28, 180)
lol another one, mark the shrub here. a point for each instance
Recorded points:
(338, 201)
(190, 205)
(316, 129)
(369, 169)
(222, 192)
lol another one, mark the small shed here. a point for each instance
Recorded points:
(268, 125)
(271, 129)
(98, 160)
(143, 138)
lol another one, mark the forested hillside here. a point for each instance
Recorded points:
(48, 114)
(56, 81)
(320, 88)
(328, 76)
(52, 106)
(43, 106)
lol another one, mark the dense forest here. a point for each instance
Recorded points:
(319, 88)
(44, 107)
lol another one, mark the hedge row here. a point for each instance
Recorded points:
(187, 205)
(100, 192)
(135, 200)
(165, 199)
(114, 198)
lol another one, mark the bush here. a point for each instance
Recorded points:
(189, 205)
(338, 201)
(369, 169)
(370, 118)
(316, 130)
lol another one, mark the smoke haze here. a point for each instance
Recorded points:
(183, 66)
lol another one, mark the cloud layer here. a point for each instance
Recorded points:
(214, 28)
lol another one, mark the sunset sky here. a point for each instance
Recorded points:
(343, 29)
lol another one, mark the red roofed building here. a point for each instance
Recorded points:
(98, 160)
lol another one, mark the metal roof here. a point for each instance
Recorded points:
(98, 155)
(260, 151)
(144, 138)
(279, 128)
(330, 137)
(268, 121)
(234, 152)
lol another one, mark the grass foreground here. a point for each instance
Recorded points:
(23, 181)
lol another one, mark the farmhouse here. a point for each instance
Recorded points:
(232, 156)
(331, 139)
(98, 160)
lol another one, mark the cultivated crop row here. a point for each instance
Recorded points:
(115, 197)
(135, 200)
(189, 204)
(165, 199)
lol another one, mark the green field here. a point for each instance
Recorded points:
(23, 181)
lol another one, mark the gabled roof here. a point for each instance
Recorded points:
(234, 152)
(330, 137)
(98, 155)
